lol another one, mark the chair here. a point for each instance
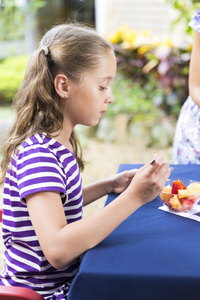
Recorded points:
(18, 293)
(1, 211)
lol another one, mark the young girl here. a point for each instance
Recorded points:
(186, 146)
(67, 82)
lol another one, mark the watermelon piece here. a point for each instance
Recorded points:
(177, 185)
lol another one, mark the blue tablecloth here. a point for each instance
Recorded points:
(153, 255)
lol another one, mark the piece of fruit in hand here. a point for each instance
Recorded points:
(177, 185)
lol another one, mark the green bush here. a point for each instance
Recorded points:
(13, 15)
(160, 66)
(151, 77)
(186, 10)
(133, 100)
(12, 71)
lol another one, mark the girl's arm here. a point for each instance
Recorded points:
(62, 243)
(115, 184)
(194, 72)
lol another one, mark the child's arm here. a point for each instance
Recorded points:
(194, 73)
(62, 243)
(115, 184)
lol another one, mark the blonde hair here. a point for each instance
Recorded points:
(72, 50)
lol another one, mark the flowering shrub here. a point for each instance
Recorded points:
(133, 100)
(158, 64)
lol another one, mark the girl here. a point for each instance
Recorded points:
(186, 146)
(67, 82)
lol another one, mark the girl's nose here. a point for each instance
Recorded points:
(110, 98)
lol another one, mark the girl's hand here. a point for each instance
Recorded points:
(122, 180)
(114, 184)
(149, 180)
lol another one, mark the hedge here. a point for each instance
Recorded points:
(159, 69)
(12, 70)
(152, 76)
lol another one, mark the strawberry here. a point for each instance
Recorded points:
(177, 185)
(186, 203)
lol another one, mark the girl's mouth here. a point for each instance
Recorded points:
(102, 113)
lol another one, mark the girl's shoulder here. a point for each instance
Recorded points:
(42, 148)
(42, 142)
(35, 144)
(195, 22)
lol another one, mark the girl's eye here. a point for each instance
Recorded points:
(103, 88)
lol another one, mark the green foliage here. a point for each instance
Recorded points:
(162, 66)
(187, 9)
(11, 21)
(12, 71)
(12, 17)
(132, 100)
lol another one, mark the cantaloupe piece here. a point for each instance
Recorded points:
(193, 188)
(166, 197)
(175, 203)
(183, 193)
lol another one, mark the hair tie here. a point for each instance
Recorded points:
(45, 49)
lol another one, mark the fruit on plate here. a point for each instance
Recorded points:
(177, 185)
(194, 188)
(187, 204)
(179, 196)
(183, 193)
(166, 194)
(175, 203)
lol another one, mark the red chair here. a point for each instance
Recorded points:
(18, 293)
(1, 211)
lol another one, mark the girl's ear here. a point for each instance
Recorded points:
(62, 86)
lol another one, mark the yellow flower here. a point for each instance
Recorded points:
(146, 33)
(143, 49)
(167, 42)
(119, 35)
(130, 39)
(190, 47)
(125, 45)
(129, 36)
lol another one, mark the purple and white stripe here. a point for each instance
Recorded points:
(42, 164)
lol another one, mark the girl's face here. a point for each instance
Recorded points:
(88, 100)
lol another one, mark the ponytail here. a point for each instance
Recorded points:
(69, 49)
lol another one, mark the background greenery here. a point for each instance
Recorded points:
(152, 77)
(156, 73)
(13, 17)
(186, 9)
(13, 70)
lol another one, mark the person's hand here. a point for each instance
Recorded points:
(149, 180)
(122, 180)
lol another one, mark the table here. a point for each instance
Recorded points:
(152, 255)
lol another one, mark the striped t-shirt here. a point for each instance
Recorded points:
(42, 164)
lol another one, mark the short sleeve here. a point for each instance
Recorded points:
(38, 170)
(195, 22)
